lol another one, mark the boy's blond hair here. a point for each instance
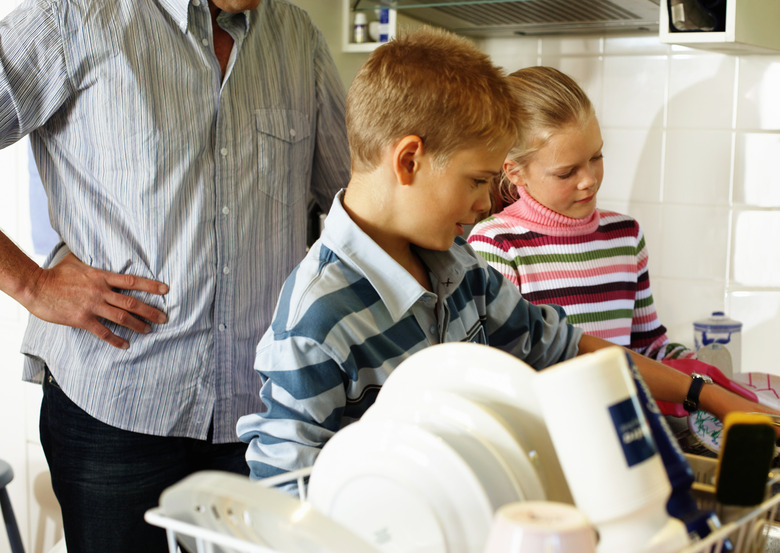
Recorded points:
(432, 84)
(548, 101)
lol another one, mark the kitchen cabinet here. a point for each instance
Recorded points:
(750, 28)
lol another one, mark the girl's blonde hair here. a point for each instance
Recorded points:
(548, 100)
(433, 84)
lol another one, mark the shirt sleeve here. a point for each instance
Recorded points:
(537, 334)
(482, 239)
(304, 397)
(34, 78)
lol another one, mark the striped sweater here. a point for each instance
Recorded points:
(595, 268)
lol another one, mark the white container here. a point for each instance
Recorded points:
(360, 28)
(540, 526)
(604, 443)
(720, 329)
(384, 25)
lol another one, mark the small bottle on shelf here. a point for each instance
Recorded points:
(384, 25)
(360, 28)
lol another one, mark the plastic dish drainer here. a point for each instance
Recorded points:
(752, 530)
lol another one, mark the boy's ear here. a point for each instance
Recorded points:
(514, 173)
(406, 158)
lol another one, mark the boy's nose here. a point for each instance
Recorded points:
(482, 205)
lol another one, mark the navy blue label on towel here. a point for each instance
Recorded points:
(632, 431)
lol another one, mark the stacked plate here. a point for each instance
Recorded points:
(454, 434)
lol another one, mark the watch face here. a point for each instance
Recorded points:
(704, 377)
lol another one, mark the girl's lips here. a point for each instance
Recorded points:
(586, 200)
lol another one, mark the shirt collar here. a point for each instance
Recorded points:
(179, 11)
(397, 288)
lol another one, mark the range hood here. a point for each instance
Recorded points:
(491, 18)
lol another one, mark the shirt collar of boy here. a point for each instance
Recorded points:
(397, 288)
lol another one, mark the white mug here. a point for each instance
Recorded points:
(540, 527)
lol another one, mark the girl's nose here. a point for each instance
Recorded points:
(589, 180)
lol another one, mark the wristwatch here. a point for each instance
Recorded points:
(698, 381)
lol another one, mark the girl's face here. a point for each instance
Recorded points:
(564, 174)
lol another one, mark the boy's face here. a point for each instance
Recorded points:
(565, 174)
(451, 198)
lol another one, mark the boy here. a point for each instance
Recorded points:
(429, 123)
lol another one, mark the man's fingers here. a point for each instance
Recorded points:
(133, 282)
(106, 335)
(132, 305)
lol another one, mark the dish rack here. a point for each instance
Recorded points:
(749, 530)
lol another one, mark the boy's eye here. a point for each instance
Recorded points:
(480, 182)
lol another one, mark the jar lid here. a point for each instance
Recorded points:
(360, 18)
(718, 321)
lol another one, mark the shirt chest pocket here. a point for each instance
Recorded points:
(285, 151)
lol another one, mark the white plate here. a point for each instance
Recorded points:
(402, 488)
(707, 428)
(765, 386)
(432, 406)
(235, 506)
(497, 380)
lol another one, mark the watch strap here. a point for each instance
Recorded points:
(691, 402)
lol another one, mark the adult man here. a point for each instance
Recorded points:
(178, 142)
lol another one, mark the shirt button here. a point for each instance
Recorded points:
(292, 132)
(204, 41)
(196, 3)
(226, 210)
(433, 329)
(223, 151)
(222, 328)
(225, 270)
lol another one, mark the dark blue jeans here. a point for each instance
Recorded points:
(106, 478)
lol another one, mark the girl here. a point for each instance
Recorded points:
(550, 240)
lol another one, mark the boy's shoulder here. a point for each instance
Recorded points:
(319, 294)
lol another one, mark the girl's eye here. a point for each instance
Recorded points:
(566, 175)
(598, 157)
(480, 182)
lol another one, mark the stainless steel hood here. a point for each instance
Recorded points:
(490, 18)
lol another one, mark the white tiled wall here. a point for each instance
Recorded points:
(692, 144)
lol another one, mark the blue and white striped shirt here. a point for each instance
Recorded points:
(350, 314)
(156, 166)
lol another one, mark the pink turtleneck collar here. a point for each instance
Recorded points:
(534, 216)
